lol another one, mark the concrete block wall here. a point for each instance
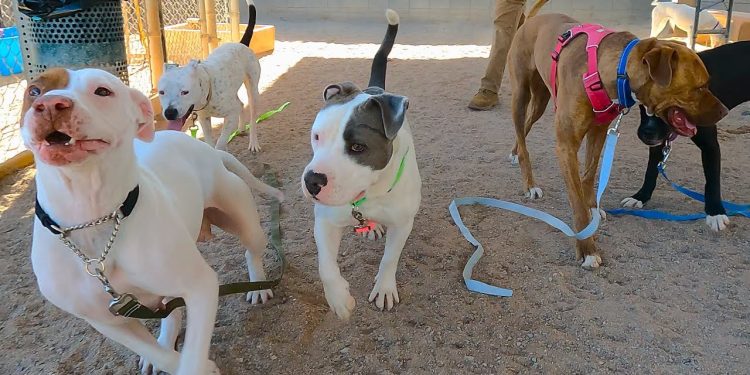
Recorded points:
(618, 11)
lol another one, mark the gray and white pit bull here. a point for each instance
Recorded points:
(209, 88)
(363, 174)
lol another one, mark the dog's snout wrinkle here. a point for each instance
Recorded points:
(314, 182)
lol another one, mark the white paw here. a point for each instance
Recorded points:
(602, 214)
(591, 262)
(259, 296)
(631, 202)
(513, 158)
(384, 293)
(213, 369)
(341, 302)
(717, 222)
(254, 145)
(375, 234)
(146, 367)
(534, 193)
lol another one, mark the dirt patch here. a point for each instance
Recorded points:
(670, 298)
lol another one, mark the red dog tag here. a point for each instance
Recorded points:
(366, 226)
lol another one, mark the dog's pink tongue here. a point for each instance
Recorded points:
(175, 124)
(681, 124)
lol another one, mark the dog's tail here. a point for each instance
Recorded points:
(379, 62)
(250, 24)
(233, 165)
(536, 7)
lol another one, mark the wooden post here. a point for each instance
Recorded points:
(234, 20)
(204, 30)
(213, 40)
(156, 54)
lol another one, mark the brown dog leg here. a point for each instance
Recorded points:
(568, 144)
(539, 98)
(594, 143)
(521, 97)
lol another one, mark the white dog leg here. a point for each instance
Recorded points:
(168, 332)
(205, 121)
(251, 110)
(385, 293)
(336, 288)
(134, 335)
(230, 124)
(201, 303)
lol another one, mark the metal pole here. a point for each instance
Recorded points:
(694, 33)
(729, 21)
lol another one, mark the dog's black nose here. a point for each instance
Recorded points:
(170, 113)
(314, 182)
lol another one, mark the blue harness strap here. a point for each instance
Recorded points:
(733, 209)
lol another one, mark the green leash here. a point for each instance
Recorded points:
(131, 308)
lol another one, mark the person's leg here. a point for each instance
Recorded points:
(508, 16)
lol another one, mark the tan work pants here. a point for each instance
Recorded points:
(508, 16)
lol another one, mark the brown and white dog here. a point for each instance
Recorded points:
(94, 143)
(664, 76)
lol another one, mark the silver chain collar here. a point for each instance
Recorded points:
(95, 266)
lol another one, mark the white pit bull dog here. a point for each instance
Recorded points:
(114, 201)
(210, 89)
(682, 16)
(363, 173)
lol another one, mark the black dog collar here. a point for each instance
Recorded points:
(126, 208)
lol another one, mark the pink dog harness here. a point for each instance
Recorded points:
(605, 110)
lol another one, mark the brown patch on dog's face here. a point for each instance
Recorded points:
(52, 79)
(668, 75)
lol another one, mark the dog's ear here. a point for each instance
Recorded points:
(660, 62)
(340, 92)
(144, 116)
(393, 111)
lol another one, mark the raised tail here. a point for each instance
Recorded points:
(535, 9)
(250, 24)
(233, 165)
(380, 61)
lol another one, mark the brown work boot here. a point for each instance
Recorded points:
(483, 100)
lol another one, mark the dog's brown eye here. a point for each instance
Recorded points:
(102, 91)
(356, 147)
(34, 91)
(185, 92)
(316, 137)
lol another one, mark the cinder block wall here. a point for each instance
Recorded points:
(617, 11)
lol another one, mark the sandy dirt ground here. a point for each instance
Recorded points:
(670, 297)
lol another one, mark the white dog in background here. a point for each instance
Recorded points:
(682, 16)
(210, 89)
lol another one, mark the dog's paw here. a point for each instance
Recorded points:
(259, 296)
(254, 145)
(221, 146)
(341, 302)
(384, 293)
(376, 233)
(534, 193)
(602, 214)
(591, 262)
(631, 202)
(717, 222)
(513, 159)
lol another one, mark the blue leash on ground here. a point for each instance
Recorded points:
(484, 288)
(733, 209)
